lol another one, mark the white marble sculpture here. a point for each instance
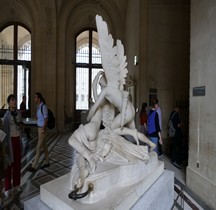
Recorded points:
(104, 154)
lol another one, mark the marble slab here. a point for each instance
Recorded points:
(35, 204)
(55, 193)
(110, 177)
(159, 196)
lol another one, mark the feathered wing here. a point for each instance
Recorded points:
(113, 58)
(122, 64)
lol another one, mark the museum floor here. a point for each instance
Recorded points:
(61, 160)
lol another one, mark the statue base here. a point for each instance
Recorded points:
(112, 178)
(159, 196)
(55, 193)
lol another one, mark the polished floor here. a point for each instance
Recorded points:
(61, 160)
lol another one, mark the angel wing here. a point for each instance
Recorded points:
(113, 58)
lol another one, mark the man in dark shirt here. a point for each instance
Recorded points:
(24, 113)
(177, 139)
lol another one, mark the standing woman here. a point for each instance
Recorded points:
(12, 127)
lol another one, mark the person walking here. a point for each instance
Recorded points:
(154, 132)
(2, 163)
(143, 119)
(42, 120)
(12, 126)
(24, 113)
(177, 139)
(158, 109)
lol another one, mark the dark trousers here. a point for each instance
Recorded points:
(160, 149)
(14, 170)
(177, 149)
(27, 131)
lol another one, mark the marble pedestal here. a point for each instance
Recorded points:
(159, 196)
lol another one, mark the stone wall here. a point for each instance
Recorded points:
(201, 170)
(168, 56)
(160, 37)
(54, 25)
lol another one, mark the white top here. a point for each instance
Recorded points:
(14, 128)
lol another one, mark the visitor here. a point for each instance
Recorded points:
(24, 113)
(143, 119)
(177, 139)
(153, 126)
(12, 126)
(158, 109)
(2, 162)
(42, 120)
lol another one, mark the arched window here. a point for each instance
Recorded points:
(88, 64)
(15, 63)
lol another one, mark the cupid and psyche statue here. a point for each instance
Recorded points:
(101, 152)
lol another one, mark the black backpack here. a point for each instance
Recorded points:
(51, 118)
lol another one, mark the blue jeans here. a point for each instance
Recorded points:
(155, 141)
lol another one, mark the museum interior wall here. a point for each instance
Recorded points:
(157, 42)
(85, 13)
(156, 34)
(201, 170)
(168, 61)
(159, 36)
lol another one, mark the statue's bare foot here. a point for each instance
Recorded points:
(80, 183)
(83, 174)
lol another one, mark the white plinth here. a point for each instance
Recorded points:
(55, 193)
(35, 204)
(159, 196)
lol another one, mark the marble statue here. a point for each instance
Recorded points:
(101, 154)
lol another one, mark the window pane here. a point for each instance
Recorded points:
(82, 88)
(24, 44)
(82, 54)
(22, 85)
(84, 48)
(96, 56)
(6, 83)
(6, 43)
